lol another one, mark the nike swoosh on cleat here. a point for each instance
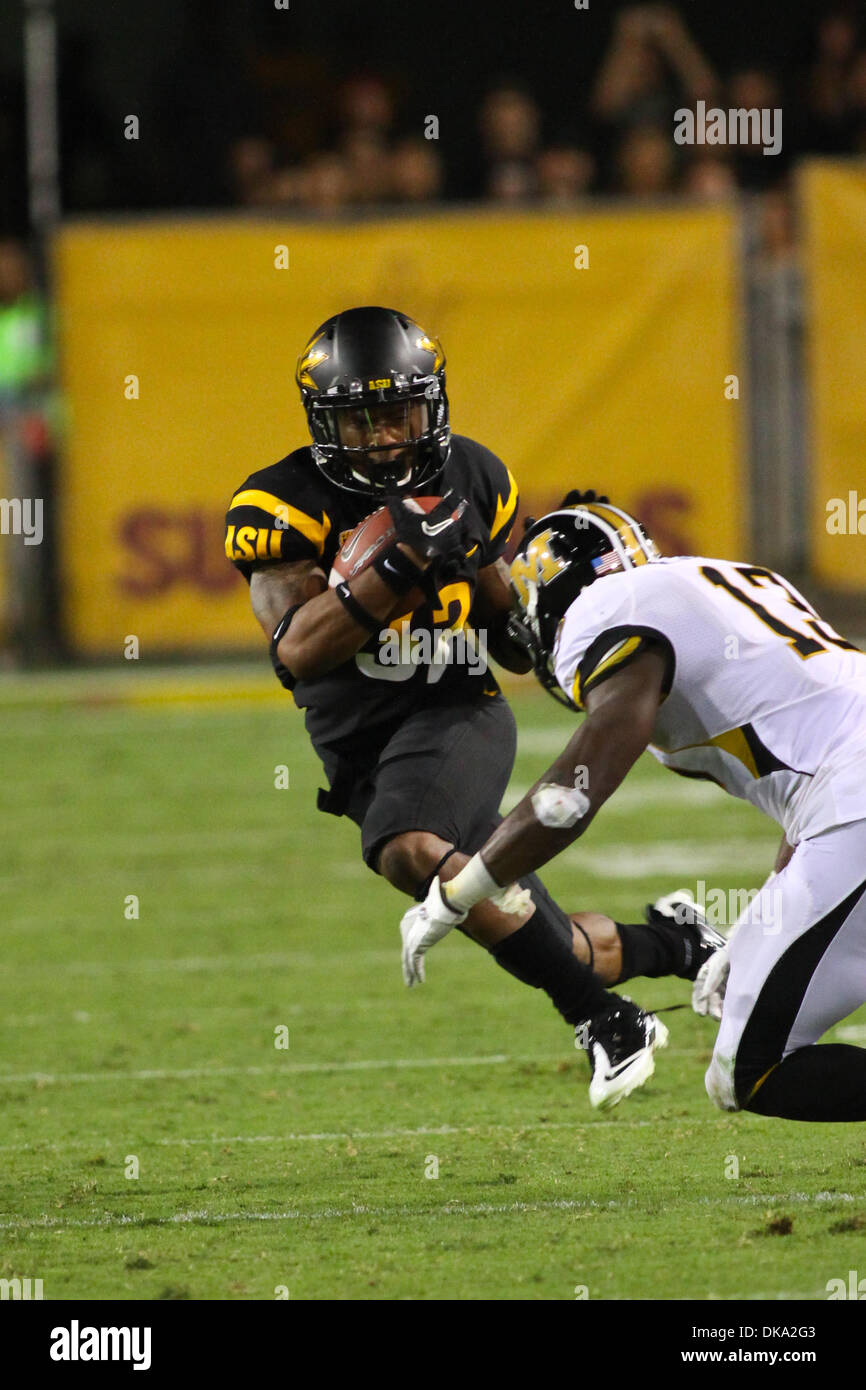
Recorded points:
(617, 1071)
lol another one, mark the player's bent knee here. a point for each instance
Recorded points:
(409, 859)
(719, 1081)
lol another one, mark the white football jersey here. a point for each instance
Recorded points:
(764, 698)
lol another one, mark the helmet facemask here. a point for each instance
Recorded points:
(380, 445)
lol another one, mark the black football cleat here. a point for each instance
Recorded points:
(700, 940)
(620, 1044)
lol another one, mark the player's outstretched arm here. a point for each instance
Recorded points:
(621, 714)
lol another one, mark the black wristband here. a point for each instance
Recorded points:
(399, 572)
(355, 611)
(282, 626)
(284, 675)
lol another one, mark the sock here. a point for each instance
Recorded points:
(539, 956)
(826, 1082)
(651, 949)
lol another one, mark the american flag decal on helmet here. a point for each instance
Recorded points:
(603, 564)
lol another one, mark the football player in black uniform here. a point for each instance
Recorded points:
(418, 751)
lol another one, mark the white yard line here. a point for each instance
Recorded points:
(337, 1136)
(689, 859)
(434, 1212)
(639, 796)
(295, 1068)
(286, 1069)
(275, 960)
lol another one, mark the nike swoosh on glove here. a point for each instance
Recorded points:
(443, 534)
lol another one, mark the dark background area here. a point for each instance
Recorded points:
(201, 73)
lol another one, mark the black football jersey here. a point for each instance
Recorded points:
(289, 511)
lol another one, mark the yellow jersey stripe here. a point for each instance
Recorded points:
(734, 741)
(289, 517)
(504, 510)
(620, 652)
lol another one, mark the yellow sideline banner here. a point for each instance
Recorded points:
(834, 206)
(590, 348)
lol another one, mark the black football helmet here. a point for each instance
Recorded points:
(365, 371)
(558, 557)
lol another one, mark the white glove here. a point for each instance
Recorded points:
(708, 990)
(422, 926)
(426, 923)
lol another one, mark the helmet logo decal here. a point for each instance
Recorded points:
(535, 567)
(432, 345)
(310, 358)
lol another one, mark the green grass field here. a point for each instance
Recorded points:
(147, 1046)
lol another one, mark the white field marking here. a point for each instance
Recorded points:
(336, 1136)
(349, 868)
(636, 796)
(812, 1296)
(447, 1209)
(295, 1068)
(278, 960)
(851, 1032)
(541, 740)
(218, 842)
(675, 858)
(288, 1069)
(200, 1016)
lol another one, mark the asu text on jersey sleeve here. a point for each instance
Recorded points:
(275, 515)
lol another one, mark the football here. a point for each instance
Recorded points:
(369, 538)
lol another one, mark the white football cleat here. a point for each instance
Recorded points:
(620, 1044)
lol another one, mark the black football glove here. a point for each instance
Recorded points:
(576, 498)
(443, 535)
(518, 634)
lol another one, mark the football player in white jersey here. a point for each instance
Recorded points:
(724, 672)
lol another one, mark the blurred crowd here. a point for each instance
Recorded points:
(620, 140)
